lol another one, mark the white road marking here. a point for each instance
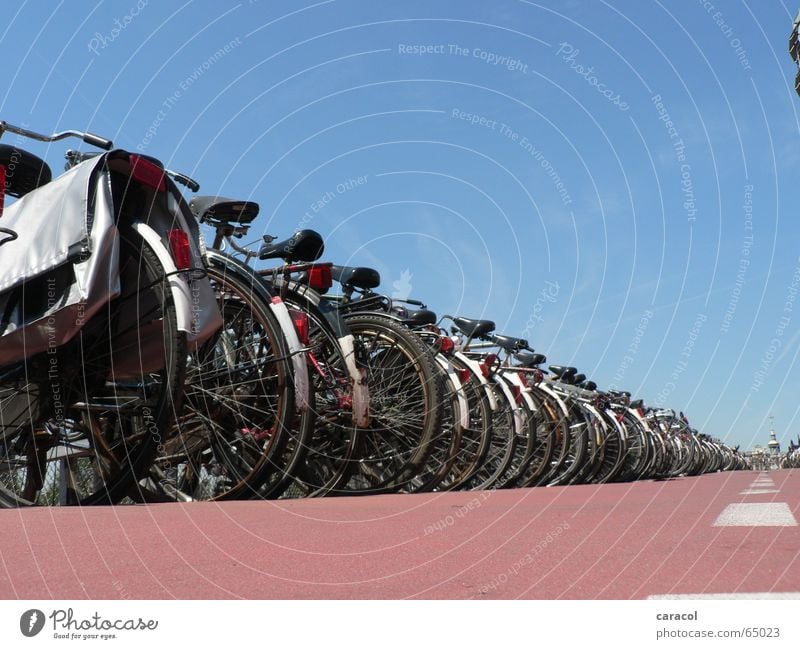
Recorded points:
(728, 596)
(753, 492)
(756, 515)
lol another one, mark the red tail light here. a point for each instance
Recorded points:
(147, 173)
(491, 359)
(179, 246)
(2, 188)
(464, 375)
(320, 278)
(300, 319)
(485, 369)
(446, 345)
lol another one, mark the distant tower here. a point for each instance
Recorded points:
(773, 459)
(774, 444)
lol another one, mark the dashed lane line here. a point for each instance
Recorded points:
(753, 492)
(728, 596)
(756, 515)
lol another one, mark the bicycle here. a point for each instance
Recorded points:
(99, 315)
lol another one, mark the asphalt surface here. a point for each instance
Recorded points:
(617, 541)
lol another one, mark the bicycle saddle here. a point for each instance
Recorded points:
(589, 385)
(509, 343)
(474, 328)
(303, 245)
(420, 317)
(639, 403)
(563, 372)
(24, 171)
(227, 210)
(619, 393)
(578, 378)
(356, 276)
(529, 358)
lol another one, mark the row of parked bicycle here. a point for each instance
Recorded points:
(187, 373)
(792, 459)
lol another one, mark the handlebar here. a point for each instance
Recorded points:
(89, 138)
(192, 185)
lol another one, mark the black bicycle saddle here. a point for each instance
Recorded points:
(474, 328)
(303, 245)
(356, 276)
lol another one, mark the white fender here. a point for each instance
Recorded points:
(195, 305)
(564, 412)
(452, 376)
(475, 368)
(519, 430)
(359, 378)
(515, 378)
(297, 351)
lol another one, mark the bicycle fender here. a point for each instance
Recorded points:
(359, 378)
(195, 305)
(558, 399)
(524, 389)
(515, 409)
(296, 349)
(475, 368)
(452, 376)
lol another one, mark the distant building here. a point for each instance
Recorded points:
(774, 445)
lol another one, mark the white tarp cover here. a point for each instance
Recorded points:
(46, 292)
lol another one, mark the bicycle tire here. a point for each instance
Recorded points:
(238, 414)
(112, 424)
(476, 438)
(405, 404)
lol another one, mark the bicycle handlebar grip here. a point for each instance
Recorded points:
(192, 185)
(96, 140)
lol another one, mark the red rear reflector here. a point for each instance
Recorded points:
(491, 359)
(147, 173)
(181, 252)
(320, 278)
(517, 392)
(446, 345)
(300, 319)
(2, 188)
(484, 369)
(464, 375)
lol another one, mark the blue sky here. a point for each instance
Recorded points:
(616, 181)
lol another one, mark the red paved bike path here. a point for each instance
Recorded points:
(611, 541)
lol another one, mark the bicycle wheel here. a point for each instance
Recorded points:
(406, 396)
(524, 436)
(476, 438)
(334, 440)
(576, 449)
(638, 453)
(239, 409)
(614, 449)
(544, 448)
(502, 445)
(446, 443)
(87, 420)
